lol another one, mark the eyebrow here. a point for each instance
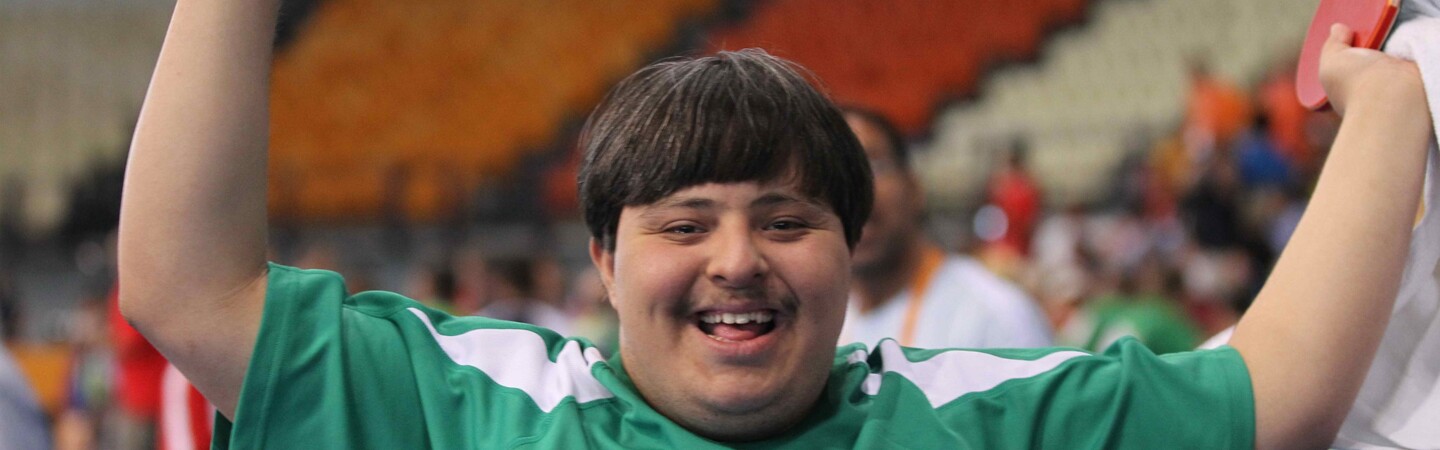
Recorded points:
(768, 200)
(776, 198)
(678, 202)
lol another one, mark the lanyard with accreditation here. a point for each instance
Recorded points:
(919, 285)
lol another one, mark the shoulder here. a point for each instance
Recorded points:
(985, 289)
(963, 271)
(307, 308)
(1023, 398)
(944, 375)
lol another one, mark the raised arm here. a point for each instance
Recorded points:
(1312, 332)
(193, 218)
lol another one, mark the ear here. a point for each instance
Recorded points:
(604, 261)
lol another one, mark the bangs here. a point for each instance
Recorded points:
(731, 134)
(734, 117)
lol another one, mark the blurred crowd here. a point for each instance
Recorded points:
(1189, 228)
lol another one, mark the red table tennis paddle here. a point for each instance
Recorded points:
(1369, 19)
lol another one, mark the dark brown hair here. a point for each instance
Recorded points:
(731, 117)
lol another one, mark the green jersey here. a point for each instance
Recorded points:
(377, 370)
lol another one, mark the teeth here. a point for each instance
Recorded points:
(738, 319)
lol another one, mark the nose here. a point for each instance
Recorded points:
(736, 261)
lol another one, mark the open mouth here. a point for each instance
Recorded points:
(736, 327)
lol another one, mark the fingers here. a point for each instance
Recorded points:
(1340, 38)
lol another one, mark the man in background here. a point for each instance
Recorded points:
(905, 286)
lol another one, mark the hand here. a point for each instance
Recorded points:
(1349, 74)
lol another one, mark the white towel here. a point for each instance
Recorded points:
(1399, 404)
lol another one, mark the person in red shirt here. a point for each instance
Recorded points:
(1016, 193)
(158, 402)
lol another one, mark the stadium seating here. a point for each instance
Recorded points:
(454, 90)
(502, 77)
(72, 76)
(1124, 74)
(901, 58)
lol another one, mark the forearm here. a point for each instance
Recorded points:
(193, 216)
(1313, 330)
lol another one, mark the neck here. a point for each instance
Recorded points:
(878, 287)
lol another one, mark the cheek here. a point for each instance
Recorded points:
(820, 275)
(648, 280)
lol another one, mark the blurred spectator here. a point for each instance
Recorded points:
(592, 314)
(1217, 112)
(12, 204)
(1016, 193)
(94, 203)
(1145, 307)
(905, 287)
(86, 419)
(1057, 274)
(1212, 208)
(325, 253)
(9, 306)
(138, 371)
(472, 284)
(22, 424)
(436, 287)
(512, 296)
(1259, 157)
(1287, 116)
(1062, 289)
(158, 407)
(549, 280)
(1172, 165)
(1217, 287)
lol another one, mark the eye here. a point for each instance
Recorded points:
(683, 229)
(787, 229)
(786, 225)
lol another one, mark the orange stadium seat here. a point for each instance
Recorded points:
(441, 86)
(899, 57)
(467, 88)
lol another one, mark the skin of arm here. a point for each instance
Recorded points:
(1310, 337)
(192, 241)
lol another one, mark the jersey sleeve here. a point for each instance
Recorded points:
(299, 387)
(1126, 397)
(379, 370)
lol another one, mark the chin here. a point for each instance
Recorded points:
(741, 427)
(737, 410)
(869, 268)
(735, 403)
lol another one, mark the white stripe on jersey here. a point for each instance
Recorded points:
(952, 374)
(547, 383)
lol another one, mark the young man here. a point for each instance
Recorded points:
(723, 195)
(906, 287)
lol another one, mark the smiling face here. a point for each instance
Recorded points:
(731, 298)
(723, 195)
